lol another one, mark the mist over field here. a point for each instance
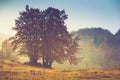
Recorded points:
(99, 49)
(60, 40)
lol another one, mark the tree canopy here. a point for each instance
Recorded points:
(42, 34)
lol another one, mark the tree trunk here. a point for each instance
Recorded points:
(43, 60)
(34, 57)
(33, 61)
(48, 64)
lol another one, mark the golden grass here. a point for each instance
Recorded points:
(15, 71)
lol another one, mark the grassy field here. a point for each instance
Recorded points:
(10, 71)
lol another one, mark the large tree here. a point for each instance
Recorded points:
(57, 43)
(28, 36)
(43, 35)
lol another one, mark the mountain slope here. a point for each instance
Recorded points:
(118, 33)
(100, 49)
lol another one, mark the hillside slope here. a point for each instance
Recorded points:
(100, 49)
(16, 71)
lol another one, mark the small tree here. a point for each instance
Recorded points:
(7, 51)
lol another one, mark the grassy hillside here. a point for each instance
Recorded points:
(15, 71)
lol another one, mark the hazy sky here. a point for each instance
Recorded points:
(81, 13)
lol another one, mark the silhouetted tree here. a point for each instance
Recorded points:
(43, 34)
(28, 36)
(57, 43)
